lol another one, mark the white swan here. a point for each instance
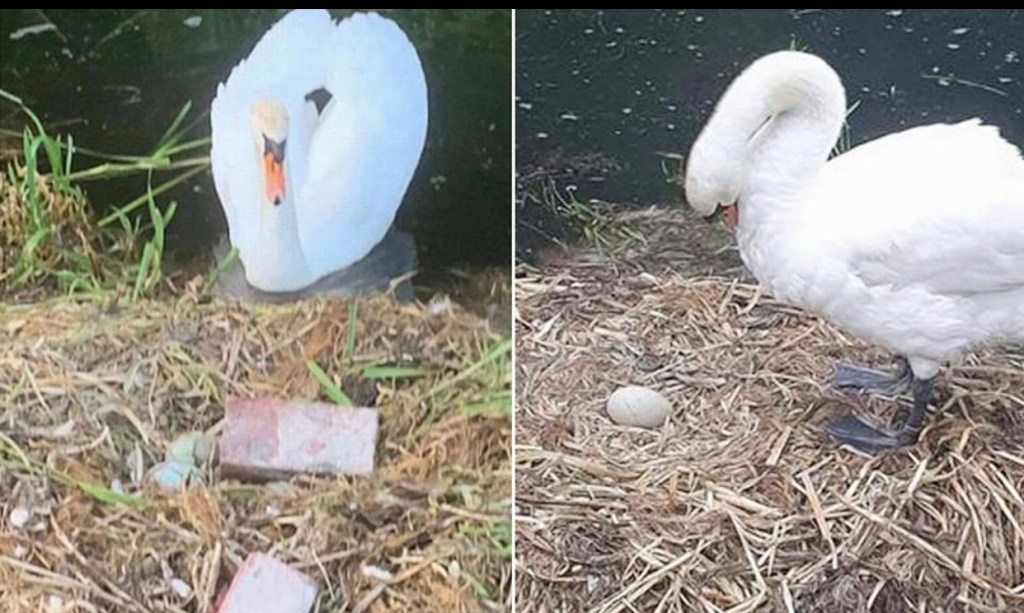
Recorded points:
(316, 136)
(913, 241)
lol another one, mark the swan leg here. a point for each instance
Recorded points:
(849, 376)
(858, 433)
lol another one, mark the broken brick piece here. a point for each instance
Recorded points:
(263, 583)
(269, 438)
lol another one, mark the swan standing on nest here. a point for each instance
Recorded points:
(913, 241)
(315, 139)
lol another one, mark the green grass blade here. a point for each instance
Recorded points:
(143, 272)
(330, 388)
(169, 138)
(115, 170)
(22, 461)
(53, 155)
(109, 496)
(199, 143)
(70, 154)
(499, 404)
(495, 352)
(123, 210)
(16, 100)
(394, 372)
(33, 242)
(229, 259)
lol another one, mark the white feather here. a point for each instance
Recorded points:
(914, 241)
(346, 170)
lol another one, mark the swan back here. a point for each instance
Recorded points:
(924, 229)
(939, 208)
(367, 145)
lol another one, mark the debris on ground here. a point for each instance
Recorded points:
(93, 394)
(265, 584)
(270, 438)
(186, 458)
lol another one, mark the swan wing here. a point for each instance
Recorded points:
(939, 208)
(285, 63)
(366, 145)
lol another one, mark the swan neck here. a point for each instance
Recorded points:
(784, 114)
(280, 264)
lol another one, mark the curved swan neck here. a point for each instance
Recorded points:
(781, 117)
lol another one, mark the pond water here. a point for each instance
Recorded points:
(115, 79)
(609, 92)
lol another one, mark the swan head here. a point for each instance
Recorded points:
(270, 131)
(713, 182)
(780, 117)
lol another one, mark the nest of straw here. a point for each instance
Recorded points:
(741, 502)
(85, 388)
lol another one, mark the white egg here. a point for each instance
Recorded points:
(638, 406)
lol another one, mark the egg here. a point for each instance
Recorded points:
(171, 476)
(191, 447)
(634, 405)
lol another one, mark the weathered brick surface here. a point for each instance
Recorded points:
(270, 438)
(263, 584)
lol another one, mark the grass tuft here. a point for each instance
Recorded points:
(49, 237)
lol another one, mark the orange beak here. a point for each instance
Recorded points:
(273, 177)
(730, 216)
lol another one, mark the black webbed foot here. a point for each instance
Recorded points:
(854, 431)
(849, 376)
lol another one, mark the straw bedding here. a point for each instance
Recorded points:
(90, 393)
(741, 502)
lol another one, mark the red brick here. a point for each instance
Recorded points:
(269, 438)
(265, 584)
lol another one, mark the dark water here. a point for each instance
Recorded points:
(628, 84)
(115, 79)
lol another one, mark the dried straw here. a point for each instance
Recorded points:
(741, 502)
(89, 392)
